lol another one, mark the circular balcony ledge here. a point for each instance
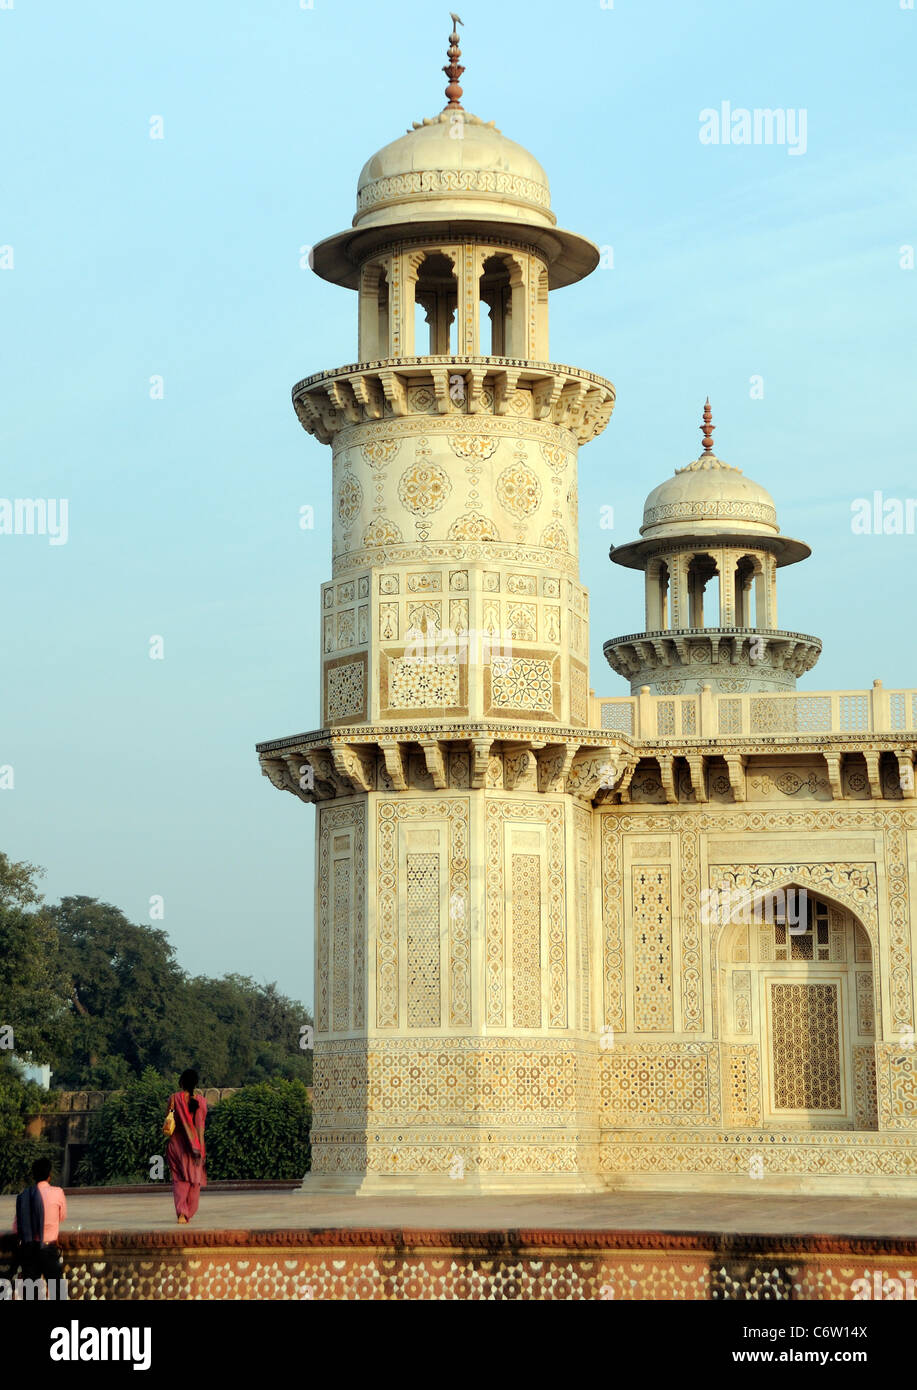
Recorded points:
(639, 654)
(364, 392)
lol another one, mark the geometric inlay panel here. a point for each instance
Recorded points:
(346, 694)
(523, 683)
(526, 887)
(652, 933)
(423, 684)
(659, 1084)
(422, 940)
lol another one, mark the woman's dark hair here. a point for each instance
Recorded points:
(188, 1080)
(41, 1169)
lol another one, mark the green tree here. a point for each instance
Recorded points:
(33, 1013)
(125, 990)
(102, 999)
(245, 1032)
(261, 1132)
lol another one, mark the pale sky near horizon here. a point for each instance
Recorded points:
(179, 258)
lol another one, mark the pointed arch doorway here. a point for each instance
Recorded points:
(798, 998)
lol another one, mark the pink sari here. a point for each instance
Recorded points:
(186, 1152)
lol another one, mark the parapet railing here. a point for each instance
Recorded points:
(744, 714)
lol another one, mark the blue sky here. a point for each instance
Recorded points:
(179, 258)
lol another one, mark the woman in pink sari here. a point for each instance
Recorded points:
(185, 1152)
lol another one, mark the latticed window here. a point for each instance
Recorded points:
(897, 709)
(618, 716)
(854, 711)
(730, 712)
(813, 713)
(688, 717)
(665, 718)
(812, 943)
(791, 714)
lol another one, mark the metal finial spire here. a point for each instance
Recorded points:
(707, 428)
(453, 68)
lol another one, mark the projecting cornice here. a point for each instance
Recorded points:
(576, 400)
(590, 764)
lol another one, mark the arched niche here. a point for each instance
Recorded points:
(797, 989)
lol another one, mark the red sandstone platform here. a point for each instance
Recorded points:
(293, 1246)
(152, 1210)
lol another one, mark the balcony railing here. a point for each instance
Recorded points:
(756, 713)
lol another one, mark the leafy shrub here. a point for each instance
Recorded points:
(261, 1132)
(20, 1101)
(17, 1157)
(127, 1131)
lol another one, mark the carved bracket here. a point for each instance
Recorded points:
(593, 772)
(667, 777)
(698, 778)
(735, 764)
(835, 779)
(394, 763)
(479, 762)
(474, 382)
(872, 774)
(367, 392)
(441, 389)
(342, 398)
(359, 771)
(630, 767)
(546, 395)
(395, 391)
(504, 386)
(436, 763)
(906, 774)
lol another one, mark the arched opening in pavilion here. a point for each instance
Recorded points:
(502, 290)
(435, 306)
(703, 596)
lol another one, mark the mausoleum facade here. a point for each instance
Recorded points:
(564, 941)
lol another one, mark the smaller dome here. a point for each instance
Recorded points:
(706, 497)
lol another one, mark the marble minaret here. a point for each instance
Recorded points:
(454, 772)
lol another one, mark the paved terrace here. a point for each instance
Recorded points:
(247, 1211)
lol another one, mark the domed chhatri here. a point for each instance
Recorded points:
(458, 174)
(710, 522)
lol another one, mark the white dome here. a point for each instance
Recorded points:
(705, 497)
(453, 164)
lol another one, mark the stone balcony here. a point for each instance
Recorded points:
(576, 400)
(765, 716)
(730, 659)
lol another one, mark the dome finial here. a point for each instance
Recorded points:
(707, 428)
(453, 68)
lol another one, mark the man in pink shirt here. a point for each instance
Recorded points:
(40, 1209)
